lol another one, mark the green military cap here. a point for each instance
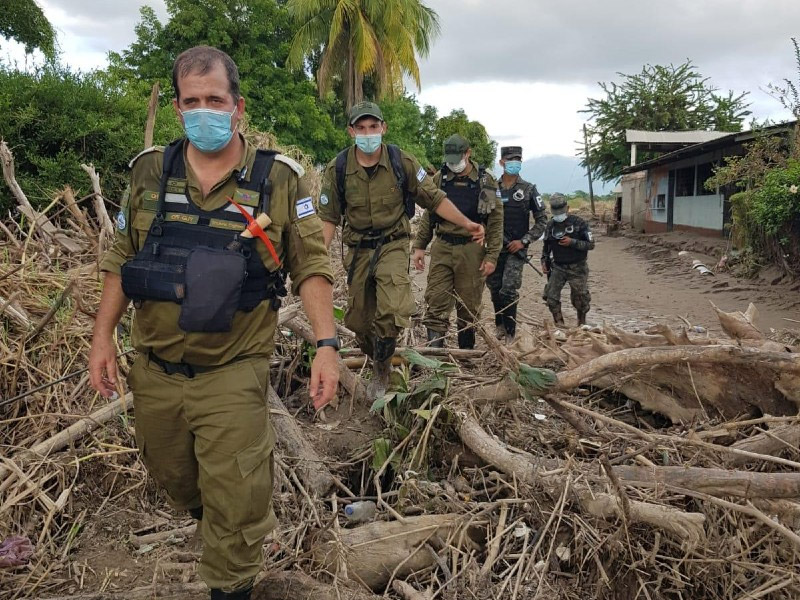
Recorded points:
(365, 109)
(507, 152)
(558, 204)
(454, 148)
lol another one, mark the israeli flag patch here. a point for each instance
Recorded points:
(121, 222)
(421, 174)
(498, 193)
(305, 208)
(324, 200)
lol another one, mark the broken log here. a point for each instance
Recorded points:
(310, 466)
(771, 442)
(106, 225)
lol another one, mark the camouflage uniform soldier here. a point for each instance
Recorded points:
(520, 199)
(568, 239)
(373, 187)
(206, 302)
(459, 266)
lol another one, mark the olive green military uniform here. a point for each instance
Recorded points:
(207, 439)
(454, 276)
(380, 302)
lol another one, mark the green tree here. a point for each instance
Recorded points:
(256, 34)
(659, 98)
(24, 22)
(376, 39)
(484, 150)
(406, 126)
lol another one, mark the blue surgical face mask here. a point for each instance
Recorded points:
(369, 143)
(208, 130)
(513, 167)
(560, 218)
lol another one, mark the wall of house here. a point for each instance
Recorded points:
(634, 200)
(699, 212)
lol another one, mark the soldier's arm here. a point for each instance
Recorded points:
(330, 208)
(545, 247)
(539, 216)
(494, 232)
(584, 240)
(424, 233)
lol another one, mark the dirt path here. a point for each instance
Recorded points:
(636, 284)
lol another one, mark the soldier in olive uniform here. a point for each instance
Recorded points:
(206, 304)
(520, 199)
(373, 187)
(567, 241)
(458, 265)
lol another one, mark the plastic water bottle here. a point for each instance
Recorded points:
(360, 512)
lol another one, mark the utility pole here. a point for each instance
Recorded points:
(588, 167)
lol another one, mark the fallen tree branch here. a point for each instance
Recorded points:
(771, 442)
(106, 225)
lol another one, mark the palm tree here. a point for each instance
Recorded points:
(380, 39)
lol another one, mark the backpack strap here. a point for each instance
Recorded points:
(341, 165)
(172, 164)
(396, 160)
(259, 178)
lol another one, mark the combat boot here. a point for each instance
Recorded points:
(435, 339)
(582, 317)
(381, 367)
(237, 595)
(557, 316)
(466, 338)
(510, 320)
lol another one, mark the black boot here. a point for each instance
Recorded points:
(466, 338)
(381, 367)
(435, 339)
(237, 595)
(510, 322)
(582, 317)
(558, 318)
(196, 513)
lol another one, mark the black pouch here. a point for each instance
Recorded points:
(214, 280)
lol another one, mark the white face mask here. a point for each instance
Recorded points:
(560, 218)
(458, 167)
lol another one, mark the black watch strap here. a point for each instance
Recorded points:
(332, 342)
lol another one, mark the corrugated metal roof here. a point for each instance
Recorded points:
(638, 136)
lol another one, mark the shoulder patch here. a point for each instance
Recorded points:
(291, 163)
(143, 152)
(305, 207)
(421, 174)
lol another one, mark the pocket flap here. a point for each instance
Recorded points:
(255, 534)
(250, 458)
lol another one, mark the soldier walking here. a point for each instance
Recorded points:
(520, 198)
(567, 241)
(458, 265)
(373, 187)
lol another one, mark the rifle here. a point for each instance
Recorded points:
(522, 255)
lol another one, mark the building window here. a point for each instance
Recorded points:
(684, 182)
(704, 172)
(661, 202)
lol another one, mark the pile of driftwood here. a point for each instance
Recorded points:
(590, 463)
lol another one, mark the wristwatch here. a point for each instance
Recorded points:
(332, 342)
(526, 241)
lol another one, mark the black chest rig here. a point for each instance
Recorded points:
(197, 258)
(516, 210)
(464, 193)
(565, 255)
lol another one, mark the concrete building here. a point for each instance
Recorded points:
(668, 192)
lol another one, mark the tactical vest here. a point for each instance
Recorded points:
(158, 271)
(516, 211)
(565, 255)
(464, 193)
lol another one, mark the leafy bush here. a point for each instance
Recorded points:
(777, 202)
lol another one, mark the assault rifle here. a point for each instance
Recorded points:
(522, 255)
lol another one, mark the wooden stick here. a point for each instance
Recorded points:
(53, 310)
(106, 225)
(153, 538)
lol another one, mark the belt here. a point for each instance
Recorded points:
(373, 243)
(181, 368)
(455, 240)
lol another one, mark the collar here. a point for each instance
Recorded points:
(352, 162)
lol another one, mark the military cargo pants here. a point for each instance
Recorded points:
(577, 275)
(505, 282)
(379, 304)
(208, 442)
(454, 278)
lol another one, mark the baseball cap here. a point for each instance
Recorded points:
(365, 109)
(511, 152)
(454, 148)
(558, 204)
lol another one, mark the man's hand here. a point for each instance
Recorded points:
(545, 268)
(324, 377)
(103, 365)
(487, 268)
(477, 232)
(419, 259)
(515, 246)
(565, 241)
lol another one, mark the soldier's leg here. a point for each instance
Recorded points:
(361, 300)
(163, 435)
(552, 292)
(468, 283)
(495, 282)
(439, 299)
(229, 415)
(579, 290)
(509, 294)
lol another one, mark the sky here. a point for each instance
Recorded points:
(524, 68)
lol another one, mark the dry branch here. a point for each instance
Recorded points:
(771, 442)
(106, 225)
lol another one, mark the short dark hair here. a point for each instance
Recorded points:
(201, 59)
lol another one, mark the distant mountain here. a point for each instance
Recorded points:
(557, 173)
